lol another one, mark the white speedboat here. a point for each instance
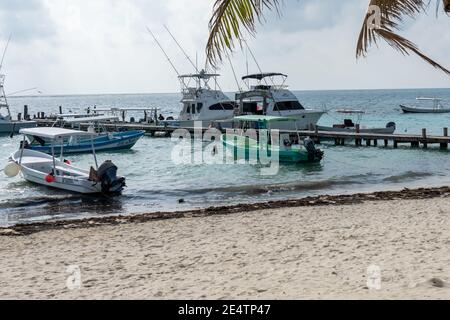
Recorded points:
(202, 103)
(7, 125)
(49, 171)
(272, 99)
(436, 108)
(349, 124)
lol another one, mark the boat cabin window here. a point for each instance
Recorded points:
(222, 106)
(199, 107)
(288, 105)
(188, 109)
(193, 109)
(262, 87)
(253, 108)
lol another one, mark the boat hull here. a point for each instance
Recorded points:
(247, 148)
(304, 121)
(118, 141)
(407, 109)
(36, 167)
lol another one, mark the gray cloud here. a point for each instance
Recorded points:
(25, 20)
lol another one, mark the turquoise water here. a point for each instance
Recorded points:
(155, 183)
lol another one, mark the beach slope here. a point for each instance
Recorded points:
(317, 252)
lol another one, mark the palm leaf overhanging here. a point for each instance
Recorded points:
(228, 18)
(392, 14)
(231, 15)
(447, 5)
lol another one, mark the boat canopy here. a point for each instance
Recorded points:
(53, 133)
(95, 109)
(350, 111)
(260, 76)
(257, 118)
(115, 109)
(428, 99)
(91, 119)
(72, 115)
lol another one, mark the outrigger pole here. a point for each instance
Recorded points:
(162, 49)
(181, 48)
(4, 52)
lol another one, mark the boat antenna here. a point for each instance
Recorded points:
(22, 91)
(254, 58)
(162, 49)
(4, 52)
(234, 73)
(181, 48)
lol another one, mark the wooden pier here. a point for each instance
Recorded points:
(340, 138)
(377, 139)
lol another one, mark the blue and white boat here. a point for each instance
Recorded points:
(102, 141)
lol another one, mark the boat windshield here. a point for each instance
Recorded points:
(288, 106)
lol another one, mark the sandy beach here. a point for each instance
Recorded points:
(315, 252)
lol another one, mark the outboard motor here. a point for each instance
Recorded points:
(313, 153)
(107, 175)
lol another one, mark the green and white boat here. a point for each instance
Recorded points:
(291, 147)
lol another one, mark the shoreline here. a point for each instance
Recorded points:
(312, 201)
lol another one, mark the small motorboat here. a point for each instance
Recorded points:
(290, 149)
(436, 108)
(102, 140)
(49, 171)
(350, 124)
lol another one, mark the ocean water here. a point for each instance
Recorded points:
(156, 183)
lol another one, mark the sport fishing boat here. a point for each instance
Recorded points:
(49, 171)
(436, 108)
(201, 102)
(291, 148)
(353, 118)
(270, 98)
(7, 125)
(102, 140)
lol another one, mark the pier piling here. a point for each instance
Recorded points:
(444, 145)
(424, 137)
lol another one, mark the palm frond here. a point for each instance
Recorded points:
(447, 5)
(227, 21)
(392, 13)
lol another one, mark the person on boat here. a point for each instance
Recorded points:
(161, 118)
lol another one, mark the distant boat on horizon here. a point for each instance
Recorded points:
(437, 107)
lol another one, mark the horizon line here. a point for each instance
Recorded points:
(225, 91)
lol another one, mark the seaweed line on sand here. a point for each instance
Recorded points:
(323, 200)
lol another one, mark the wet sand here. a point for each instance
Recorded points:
(314, 248)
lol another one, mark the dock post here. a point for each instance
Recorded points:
(386, 142)
(60, 110)
(25, 112)
(424, 136)
(375, 143)
(445, 145)
(316, 131)
(368, 142)
(358, 142)
(395, 144)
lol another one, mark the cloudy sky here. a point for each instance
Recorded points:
(101, 46)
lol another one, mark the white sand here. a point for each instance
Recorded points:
(296, 253)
